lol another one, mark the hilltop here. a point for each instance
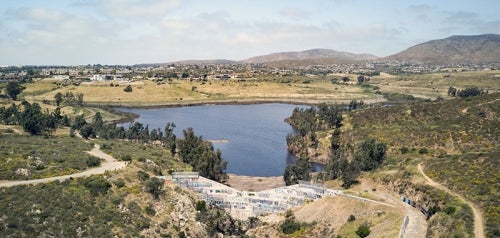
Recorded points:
(453, 50)
(312, 54)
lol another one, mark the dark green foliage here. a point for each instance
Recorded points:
(154, 186)
(32, 119)
(290, 225)
(14, 88)
(93, 161)
(119, 183)
(66, 208)
(351, 218)
(142, 175)
(201, 156)
(97, 185)
(350, 174)
(128, 89)
(296, 172)
(201, 206)
(150, 210)
(404, 150)
(58, 98)
(217, 220)
(370, 154)
(423, 151)
(363, 230)
(41, 157)
(449, 210)
(469, 92)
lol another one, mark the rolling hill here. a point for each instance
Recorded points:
(452, 50)
(313, 54)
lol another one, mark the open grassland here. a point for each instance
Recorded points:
(433, 85)
(33, 157)
(178, 92)
(458, 140)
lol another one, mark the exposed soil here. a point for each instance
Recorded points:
(251, 183)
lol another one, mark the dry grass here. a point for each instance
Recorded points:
(437, 84)
(184, 92)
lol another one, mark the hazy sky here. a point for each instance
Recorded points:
(153, 31)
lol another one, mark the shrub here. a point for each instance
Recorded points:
(363, 230)
(351, 218)
(423, 151)
(149, 209)
(93, 161)
(128, 89)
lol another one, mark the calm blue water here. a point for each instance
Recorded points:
(256, 134)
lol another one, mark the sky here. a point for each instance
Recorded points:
(80, 32)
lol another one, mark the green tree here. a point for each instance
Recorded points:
(14, 88)
(169, 140)
(363, 230)
(296, 172)
(350, 174)
(154, 186)
(58, 98)
(97, 185)
(128, 89)
(370, 154)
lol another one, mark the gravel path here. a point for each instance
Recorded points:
(478, 218)
(109, 164)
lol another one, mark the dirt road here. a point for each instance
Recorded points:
(478, 218)
(109, 164)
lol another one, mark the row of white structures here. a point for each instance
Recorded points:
(244, 204)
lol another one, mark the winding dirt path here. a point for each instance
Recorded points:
(109, 164)
(478, 218)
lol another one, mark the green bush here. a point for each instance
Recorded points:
(351, 218)
(363, 230)
(93, 161)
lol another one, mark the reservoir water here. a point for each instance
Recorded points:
(252, 138)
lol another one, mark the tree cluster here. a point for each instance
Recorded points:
(468, 92)
(14, 88)
(69, 99)
(32, 118)
(193, 150)
(201, 156)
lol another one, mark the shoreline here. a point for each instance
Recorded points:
(159, 105)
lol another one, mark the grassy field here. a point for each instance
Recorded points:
(149, 93)
(433, 85)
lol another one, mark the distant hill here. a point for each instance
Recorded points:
(454, 49)
(313, 54)
(202, 62)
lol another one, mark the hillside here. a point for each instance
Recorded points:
(455, 139)
(203, 62)
(454, 49)
(310, 55)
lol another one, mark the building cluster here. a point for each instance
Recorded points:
(220, 71)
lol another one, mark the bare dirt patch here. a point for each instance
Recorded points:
(251, 183)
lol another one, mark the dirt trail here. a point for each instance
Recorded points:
(109, 164)
(478, 218)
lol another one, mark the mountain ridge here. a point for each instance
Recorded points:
(455, 49)
(452, 50)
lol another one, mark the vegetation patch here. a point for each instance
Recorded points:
(34, 157)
